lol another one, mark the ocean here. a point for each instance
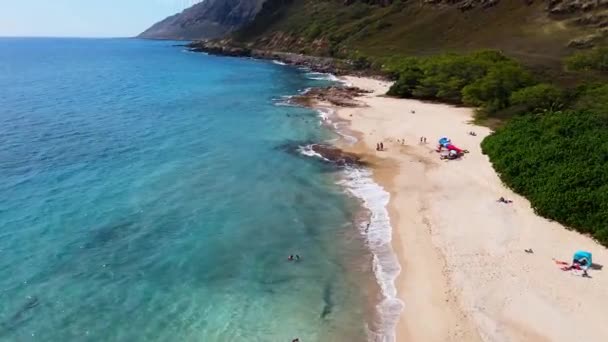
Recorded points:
(152, 194)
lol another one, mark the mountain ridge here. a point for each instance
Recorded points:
(207, 19)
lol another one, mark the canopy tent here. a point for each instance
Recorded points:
(582, 258)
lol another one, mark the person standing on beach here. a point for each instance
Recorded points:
(381, 146)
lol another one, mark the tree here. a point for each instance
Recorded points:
(493, 91)
(540, 97)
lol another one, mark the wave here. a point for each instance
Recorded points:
(342, 132)
(278, 62)
(308, 151)
(320, 76)
(325, 114)
(378, 234)
(195, 52)
(284, 101)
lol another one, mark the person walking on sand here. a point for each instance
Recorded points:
(381, 146)
(425, 140)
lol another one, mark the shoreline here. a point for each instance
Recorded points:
(465, 275)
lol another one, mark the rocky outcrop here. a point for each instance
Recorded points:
(207, 19)
(315, 63)
(465, 5)
(337, 156)
(574, 6)
(322, 152)
(336, 95)
(220, 47)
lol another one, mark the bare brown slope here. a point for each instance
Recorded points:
(207, 19)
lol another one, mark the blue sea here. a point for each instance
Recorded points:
(152, 194)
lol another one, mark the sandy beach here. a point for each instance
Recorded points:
(465, 273)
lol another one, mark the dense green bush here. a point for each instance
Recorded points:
(539, 98)
(559, 161)
(484, 79)
(594, 60)
(593, 98)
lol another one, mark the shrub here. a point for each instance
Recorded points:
(538, 98)
(493, 91)
(594, 60)
(593, 98)
(559, 161)
(484, 78)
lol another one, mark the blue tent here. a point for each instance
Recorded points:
(580, 256)
(444, 141)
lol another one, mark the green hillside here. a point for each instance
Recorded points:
(534, 33)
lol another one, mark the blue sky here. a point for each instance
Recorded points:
(84, 18)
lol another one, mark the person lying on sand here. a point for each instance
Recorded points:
(503, 200)
(579, 265)
(472, 133)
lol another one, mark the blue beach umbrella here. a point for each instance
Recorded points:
(444, 141)
(580, 256)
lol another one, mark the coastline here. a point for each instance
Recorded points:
(465, 275)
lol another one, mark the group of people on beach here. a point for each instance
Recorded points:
(380, 146)
(423, 140)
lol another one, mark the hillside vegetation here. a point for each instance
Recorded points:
(559, 161)
(531, 31)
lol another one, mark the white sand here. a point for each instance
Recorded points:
(465, 274)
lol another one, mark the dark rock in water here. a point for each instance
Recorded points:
(293, 146)
(328, 153)
(327, 299)
(18, 317)
(220, 48)
(337, 156)
(336, 95)
(105, 235)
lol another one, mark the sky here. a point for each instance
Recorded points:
(84, 18)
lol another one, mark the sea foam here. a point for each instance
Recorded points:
(378, 235)
(320, 76)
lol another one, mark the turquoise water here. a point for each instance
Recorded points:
(146, 194)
